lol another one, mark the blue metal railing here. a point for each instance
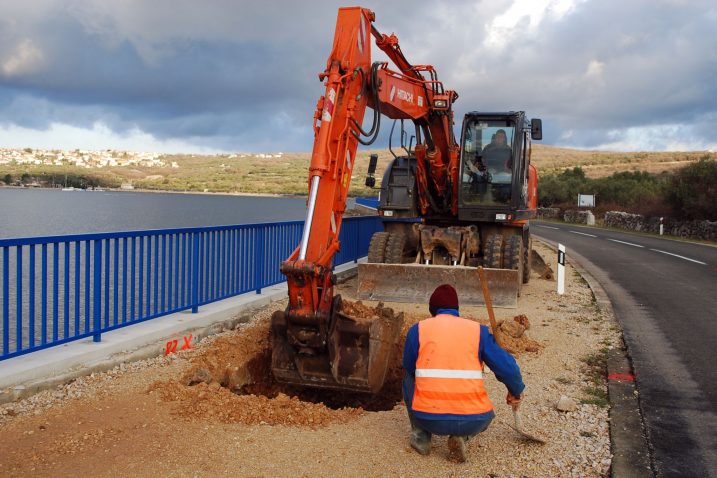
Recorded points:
(63, 288)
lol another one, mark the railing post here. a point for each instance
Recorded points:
(195, 272)
(5, 300)
(97, 291)
(359, 221)
(259, 257)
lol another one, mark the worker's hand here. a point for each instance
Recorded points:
(514, 402)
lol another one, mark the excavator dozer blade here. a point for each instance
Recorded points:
(416, 283)
(358, 352)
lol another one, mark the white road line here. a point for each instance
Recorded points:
(681, 257)
(628, 243)
(549, 227)
(583, 233)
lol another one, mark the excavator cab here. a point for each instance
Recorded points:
(487, 162)
(494, 166)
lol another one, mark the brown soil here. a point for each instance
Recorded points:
(231, 381)
(359, 310)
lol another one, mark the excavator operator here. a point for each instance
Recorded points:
(497, 154)
(443, 385)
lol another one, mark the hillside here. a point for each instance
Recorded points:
(286, 173)
(598, 164)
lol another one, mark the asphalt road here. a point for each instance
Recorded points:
(664, 293)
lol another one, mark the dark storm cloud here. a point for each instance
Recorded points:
(242, 75)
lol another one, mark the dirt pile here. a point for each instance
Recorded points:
(360, 310)
(513, 337)
(214, 402)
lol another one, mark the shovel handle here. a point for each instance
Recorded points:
(488, 302)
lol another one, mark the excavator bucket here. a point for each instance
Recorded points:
(359, 347)
(416, 283)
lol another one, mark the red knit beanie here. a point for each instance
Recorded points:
(444, 297)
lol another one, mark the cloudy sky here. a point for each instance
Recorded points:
(234, 75)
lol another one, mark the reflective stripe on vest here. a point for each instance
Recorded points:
(445, 373)
(449, 374)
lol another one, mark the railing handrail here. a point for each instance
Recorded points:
(37, 240)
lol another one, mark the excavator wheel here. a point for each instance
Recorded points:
(513, 257)
(377, 247)
(493, 252)
(527, 265)
(394, 248)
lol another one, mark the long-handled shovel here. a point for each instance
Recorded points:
(493, 325)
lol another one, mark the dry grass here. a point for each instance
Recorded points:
(598, 164)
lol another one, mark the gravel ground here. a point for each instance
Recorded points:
(141, 419)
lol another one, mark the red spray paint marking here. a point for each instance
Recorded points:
(621, 377)
(171, 346)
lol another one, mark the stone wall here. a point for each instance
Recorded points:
(579, 217)
(636, 222)
(548, 212)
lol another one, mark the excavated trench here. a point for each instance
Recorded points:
(242, 364)
(262, 383)
(231, 381)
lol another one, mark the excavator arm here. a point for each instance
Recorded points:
(314, 342)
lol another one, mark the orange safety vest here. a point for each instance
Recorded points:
(449, 374)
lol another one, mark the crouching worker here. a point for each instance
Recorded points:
(443, 385)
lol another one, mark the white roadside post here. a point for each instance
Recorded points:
(662, 227)
(561, 269)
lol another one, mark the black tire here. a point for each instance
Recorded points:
(395, 248)
(513, 254)
(493, 252)
(513, 257)
(377, 247)
(527, 266)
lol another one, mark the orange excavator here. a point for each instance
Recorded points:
(447, 209)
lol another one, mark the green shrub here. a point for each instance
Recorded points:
(693, 192)
(626, 190)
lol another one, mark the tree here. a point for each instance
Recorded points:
(693, 194)
(7, 179)
(562, 188)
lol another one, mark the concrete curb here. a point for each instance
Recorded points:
(28, 374)
(628, 440)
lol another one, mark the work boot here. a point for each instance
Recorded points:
(457, 448)
(421, 441)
